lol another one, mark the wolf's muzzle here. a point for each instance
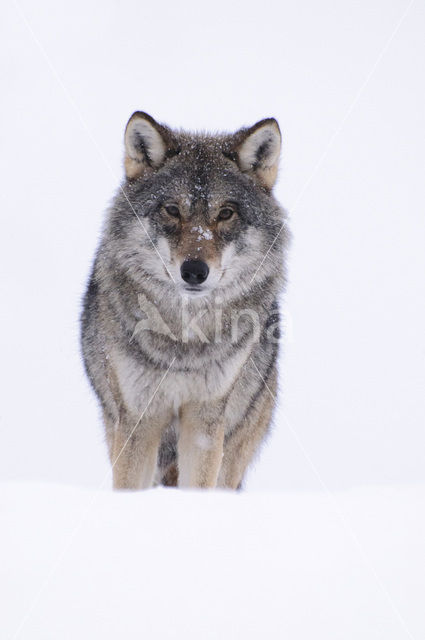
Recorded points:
(194, 271)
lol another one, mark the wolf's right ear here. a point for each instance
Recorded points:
(147, 145)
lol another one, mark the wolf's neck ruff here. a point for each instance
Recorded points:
(179, 288)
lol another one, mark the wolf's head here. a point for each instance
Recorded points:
(196, 212)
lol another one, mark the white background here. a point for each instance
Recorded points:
(345, 81)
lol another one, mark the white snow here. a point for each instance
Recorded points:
(84, 564)
(203, 233)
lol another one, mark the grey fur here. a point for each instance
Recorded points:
(213, 386)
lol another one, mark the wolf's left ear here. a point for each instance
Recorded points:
(257, 151)
(147, 145)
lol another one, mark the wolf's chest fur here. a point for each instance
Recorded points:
(198, 379)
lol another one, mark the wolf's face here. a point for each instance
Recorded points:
(196, 212)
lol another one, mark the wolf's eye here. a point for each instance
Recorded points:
(173, 210)
(225, 214)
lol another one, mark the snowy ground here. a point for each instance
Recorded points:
(170, 564)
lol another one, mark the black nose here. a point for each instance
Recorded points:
(194, 271)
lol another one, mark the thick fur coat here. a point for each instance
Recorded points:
(180, 326)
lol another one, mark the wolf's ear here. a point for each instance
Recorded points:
(257, 151)
(147, 144)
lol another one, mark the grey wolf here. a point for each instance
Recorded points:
(179, 327)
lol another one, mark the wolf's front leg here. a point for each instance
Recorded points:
(245, 438)
(200, 445)
(135, 450)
